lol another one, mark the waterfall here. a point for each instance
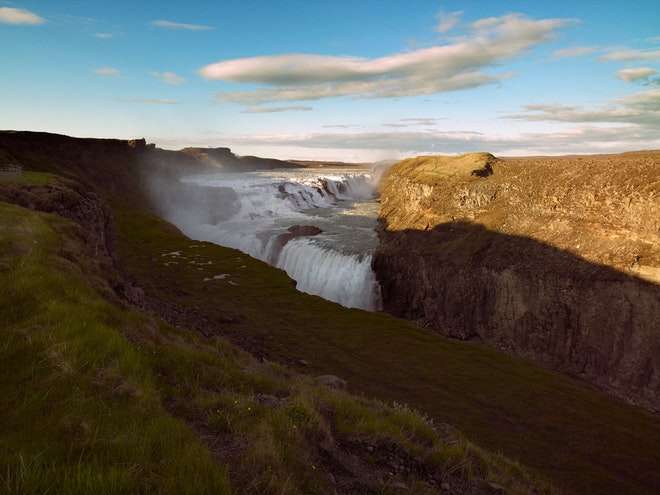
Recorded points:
(346, 279)
(319, 228)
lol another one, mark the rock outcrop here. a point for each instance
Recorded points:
(553, 259)
(69, 199)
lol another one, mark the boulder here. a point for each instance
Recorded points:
(332, 381)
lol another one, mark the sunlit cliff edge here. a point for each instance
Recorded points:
(556, 259)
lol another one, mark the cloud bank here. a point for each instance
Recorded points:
(641, 109)
(631, 56)
(9, 15)
(632, 75)
(458, 65)
(575, 51)
(291, 108)
(582, 139)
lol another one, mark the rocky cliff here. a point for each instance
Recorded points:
(553, 259)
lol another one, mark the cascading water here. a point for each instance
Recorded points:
(318, 228)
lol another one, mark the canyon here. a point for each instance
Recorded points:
(554, 259)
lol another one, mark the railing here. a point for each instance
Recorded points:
(10, 171)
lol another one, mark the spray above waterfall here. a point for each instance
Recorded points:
(317, 225)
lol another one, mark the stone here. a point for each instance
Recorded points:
(332, 381)
(495, 488)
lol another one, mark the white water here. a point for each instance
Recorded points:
(335, 264)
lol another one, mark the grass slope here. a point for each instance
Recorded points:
(588, 442)
(106, 399)
(81, 407)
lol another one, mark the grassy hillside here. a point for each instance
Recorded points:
(81, 408)
(101, 398)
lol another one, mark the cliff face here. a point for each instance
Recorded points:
(553, 259)
(69, 199)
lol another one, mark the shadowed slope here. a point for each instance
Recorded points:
(587, 441)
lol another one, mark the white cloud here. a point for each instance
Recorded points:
(630, 56)
(447, 20)
(631, 75)
(169, 77)
(343, 126)
(107, 71)
(630, 123)
(293, 108)
(356, 145)
(450, 67)
(179, 25)
(414, 122)
(642, 109)
(144, 100)
(9, 15)
(421, 121)
(575, 51)
(103, 36)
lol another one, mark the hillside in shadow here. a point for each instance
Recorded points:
(587, 441)
(529, 299)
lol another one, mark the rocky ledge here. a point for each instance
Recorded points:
(553, 259)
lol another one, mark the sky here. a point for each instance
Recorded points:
(350, 80)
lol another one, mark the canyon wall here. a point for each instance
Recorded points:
(552, 259)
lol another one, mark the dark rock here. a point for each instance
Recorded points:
(293, 232)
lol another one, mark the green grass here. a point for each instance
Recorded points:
(33, 178)
(105, 399)
(83, 413)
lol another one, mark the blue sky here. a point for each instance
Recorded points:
(354, 80)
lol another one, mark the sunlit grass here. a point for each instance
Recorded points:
(83, 413)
